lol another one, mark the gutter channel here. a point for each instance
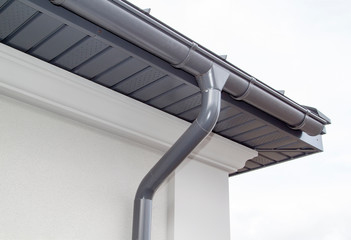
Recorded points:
(134, 25)
(213, 75)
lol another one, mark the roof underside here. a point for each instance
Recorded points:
(64, 39)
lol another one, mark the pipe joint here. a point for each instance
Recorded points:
(252, 82)
(303, 122)
(194, 62)
(192, 49)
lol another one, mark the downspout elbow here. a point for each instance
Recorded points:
(209, 113)
(211, 84)
(199, 129)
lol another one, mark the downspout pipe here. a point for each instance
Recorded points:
(211, 81)
(211, 85)
(132, 24)
(213, 75)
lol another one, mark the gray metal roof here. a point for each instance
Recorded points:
(68, 41)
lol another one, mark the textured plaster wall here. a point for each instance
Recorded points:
(60, 179)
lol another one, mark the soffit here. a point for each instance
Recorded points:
(63, 39)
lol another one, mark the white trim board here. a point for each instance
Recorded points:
(34, 81)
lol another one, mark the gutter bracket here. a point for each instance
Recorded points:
(211, 84)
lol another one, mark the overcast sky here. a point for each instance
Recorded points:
(304, 48)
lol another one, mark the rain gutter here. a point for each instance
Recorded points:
(138, 27)
(213, 75)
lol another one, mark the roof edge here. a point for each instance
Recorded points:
(132, 24)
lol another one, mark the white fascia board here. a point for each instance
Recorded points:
(39, 83)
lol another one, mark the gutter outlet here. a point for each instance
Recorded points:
(213, 74)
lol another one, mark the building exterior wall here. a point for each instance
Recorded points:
(61, 179)
(200, 202)
(72, 154)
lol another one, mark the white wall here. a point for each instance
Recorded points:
(200, 203)
(67, 179)
(60, 179)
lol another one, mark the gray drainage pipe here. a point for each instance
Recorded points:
(120, 18)
(211, 85)
(211, 79)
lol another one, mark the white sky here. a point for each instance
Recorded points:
(303, 47)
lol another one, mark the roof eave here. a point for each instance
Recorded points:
(132, 24)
